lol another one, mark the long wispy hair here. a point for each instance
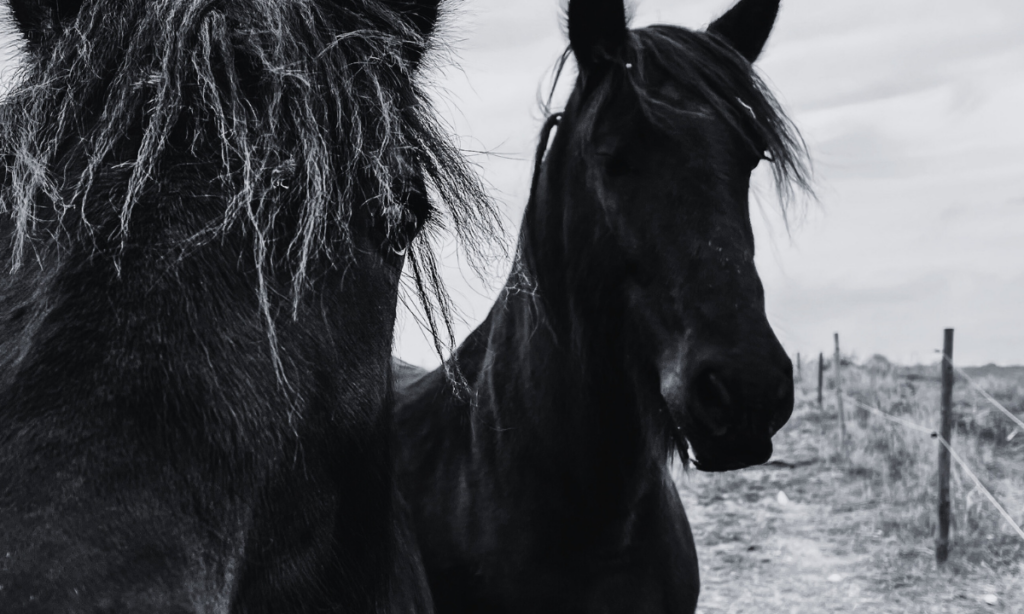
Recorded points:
(717, 75)
(291, 109)
(714, 73)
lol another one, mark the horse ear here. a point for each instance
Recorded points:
(597, 29)
(40, 20)
(746, 26)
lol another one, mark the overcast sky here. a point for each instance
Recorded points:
(913, 114)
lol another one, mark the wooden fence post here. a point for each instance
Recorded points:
(798, 366)
(821, 370)
(839, 399)
(946, 432)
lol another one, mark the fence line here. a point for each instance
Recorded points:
(935, 435)
(984, 490)
(984, 393)
(896, 419)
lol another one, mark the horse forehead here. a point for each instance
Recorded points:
(619, 122)
(681, 95)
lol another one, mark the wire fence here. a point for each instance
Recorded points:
(984, 393)
(948, 372)
(956, 457)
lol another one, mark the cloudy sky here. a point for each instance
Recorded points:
(914, 115)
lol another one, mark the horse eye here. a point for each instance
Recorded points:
(616, 163)
(754, 161)
(402, 236)
(414, 217)
(757, 152)
(418, 209)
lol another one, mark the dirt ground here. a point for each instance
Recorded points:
(790, 538)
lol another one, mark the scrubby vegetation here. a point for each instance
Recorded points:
(815, 531)
(898, 466)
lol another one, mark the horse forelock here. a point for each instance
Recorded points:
(281, 101)
(715, 74)
(282, 107)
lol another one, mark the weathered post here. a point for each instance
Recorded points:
(839, 400)
(798, 366)
(821, 371)
(946, 432)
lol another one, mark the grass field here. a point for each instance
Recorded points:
(816, 532)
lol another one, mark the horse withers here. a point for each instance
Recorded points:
(632, 327)
(204, 215)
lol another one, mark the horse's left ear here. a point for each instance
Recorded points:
(42, 20)
(597, 29)
(746, 26)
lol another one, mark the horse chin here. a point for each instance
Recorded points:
(728, 453)
(714, 452)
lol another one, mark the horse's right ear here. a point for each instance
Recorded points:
(43, 20)
(746, 26)
(597, 29)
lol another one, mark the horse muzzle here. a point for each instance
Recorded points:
(727, 412)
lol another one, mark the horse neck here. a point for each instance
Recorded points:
(556, 363)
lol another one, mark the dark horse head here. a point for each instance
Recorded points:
(313, 130)
(653, 162)
(204, 213)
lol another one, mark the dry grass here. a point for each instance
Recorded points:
(898, 466)
(856, 534)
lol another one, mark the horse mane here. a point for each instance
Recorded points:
(713, 72)
(293, 110)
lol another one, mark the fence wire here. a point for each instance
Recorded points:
(984, 393)
(963, 465)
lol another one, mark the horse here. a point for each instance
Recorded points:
(204, 214)
(631, 328)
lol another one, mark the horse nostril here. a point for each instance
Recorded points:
(711, 392)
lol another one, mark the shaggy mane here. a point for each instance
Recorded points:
(283, 109)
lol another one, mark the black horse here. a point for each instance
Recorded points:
(633, 322)
(205, 210)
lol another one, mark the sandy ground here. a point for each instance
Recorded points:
(783, 539)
